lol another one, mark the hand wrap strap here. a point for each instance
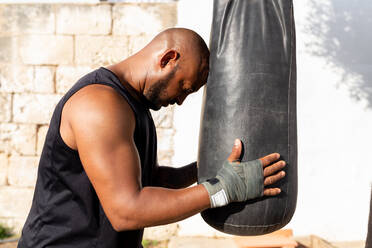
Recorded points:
(235, 182)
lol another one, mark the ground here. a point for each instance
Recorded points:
(9, 245)
(197, 242)
(146, 244)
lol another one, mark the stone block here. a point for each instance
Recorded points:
(18, 138)
(145, 18)
(163, 118)
(5, 107)
(100, 50)
(83, 19)
(41, 134)
(137, 42)
(165, 138)
(3, 168)
(46, 49)
(43, 79)
(34, 108)
(67, 76)
(165, 232)
(165, 145)
(36, 79)
(165, 158)
(9, 52)
(15, 202)
(22, 171)
(26, 19)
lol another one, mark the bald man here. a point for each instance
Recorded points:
(99, 183)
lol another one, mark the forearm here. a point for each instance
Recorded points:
(176, 178)
(158, 206)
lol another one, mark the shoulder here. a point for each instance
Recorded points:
(101, 107)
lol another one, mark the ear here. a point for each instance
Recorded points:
(170, 56)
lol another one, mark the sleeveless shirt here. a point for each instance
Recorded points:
(65, 210)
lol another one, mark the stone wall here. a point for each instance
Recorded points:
(44, 49)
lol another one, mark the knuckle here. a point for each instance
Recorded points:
(269, 180)
(271, 192)
(267, 192)
(270, 170)
(278, 177)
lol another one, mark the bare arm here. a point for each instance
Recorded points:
(103, 125)
(176, 178)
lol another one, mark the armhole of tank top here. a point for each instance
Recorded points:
(59, 136)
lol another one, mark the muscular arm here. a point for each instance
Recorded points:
(100, 124)
(103, 124)
(176, 178)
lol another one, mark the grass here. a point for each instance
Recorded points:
(154, 244)
(5, 232)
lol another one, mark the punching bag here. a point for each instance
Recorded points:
(251, 95)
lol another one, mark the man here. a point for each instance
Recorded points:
(99, 183)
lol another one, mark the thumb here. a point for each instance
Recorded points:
(236, 151)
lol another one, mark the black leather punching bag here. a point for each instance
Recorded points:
(251, 95)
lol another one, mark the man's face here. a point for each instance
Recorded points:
(177, 85)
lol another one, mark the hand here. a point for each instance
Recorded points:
(240, 181)
(272, 171)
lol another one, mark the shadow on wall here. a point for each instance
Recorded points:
(342, 34)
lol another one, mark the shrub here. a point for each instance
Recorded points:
(5, 232)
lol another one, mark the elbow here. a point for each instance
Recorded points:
(124, 219)
(124, 224)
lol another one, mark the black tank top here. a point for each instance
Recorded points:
(65, 210)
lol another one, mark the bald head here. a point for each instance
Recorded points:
(183, 39)
(174, 64)
(179, 66)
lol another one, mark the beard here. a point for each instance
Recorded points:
(157, 90)
(154, 93)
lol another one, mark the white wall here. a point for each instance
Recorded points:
(334, 116)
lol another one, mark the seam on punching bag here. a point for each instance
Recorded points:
(289, 100)
(263, 23)
(279, 9)
(225, 23)
(235, 225)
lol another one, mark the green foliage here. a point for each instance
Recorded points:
(149, 243)
(5, 232)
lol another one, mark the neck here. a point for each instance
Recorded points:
(129, 79)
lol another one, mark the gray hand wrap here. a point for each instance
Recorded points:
(235, 183)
